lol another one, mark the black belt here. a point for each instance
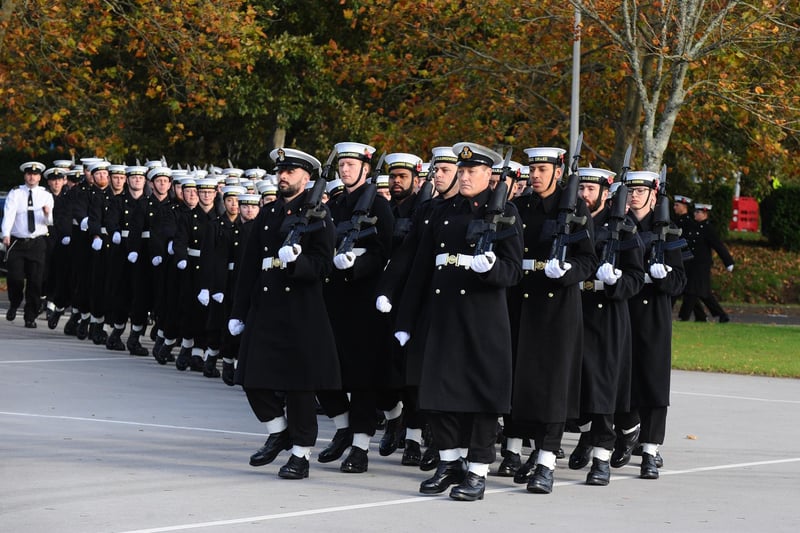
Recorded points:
(27, 239)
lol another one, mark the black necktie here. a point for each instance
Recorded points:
(31, 221)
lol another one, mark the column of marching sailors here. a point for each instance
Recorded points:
(433, 299)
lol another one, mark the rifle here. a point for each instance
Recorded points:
(354, 229)
(617, 220)
(661, 221)
(566, 212)
(313, 208)
(484, 232)
(402, 226)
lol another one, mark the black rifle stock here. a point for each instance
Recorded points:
(661, 222)
(484, 233)
(566, 213)
(360, 224)
(618, 225)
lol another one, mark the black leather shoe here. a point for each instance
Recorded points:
(542, 480)
(114, 341)
(184, 359)
(31, 324)
(582, 453)
(276, 443)
(71, 327)
(511, 463)
(447, 473)
(342, 439)
(228, 372)
(724, 318)
(52, 320)
(623, 448)
(560, 453)
(296, 468)
(163, 354)
(659, 460)
(97, 334)
(430, 459)
(412, 454)
(134, 346)
(600, 473)
(83, 329)
(11, 314)
(648, 470)
(469, 490)
(525, 472)
(157, 344)
(210, 367)
(196, 364)
(356, 461)
(390, 437)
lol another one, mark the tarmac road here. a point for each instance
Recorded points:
(99, 441)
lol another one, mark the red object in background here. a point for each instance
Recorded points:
(745, 214)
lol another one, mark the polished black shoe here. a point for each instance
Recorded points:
(296, 468)
(623, 448)
(356, 461)
(97, 334)
(525, 472)
(648, 469)
(52, 320)
(724, 318)
(412, 453)
(163, 354)
(511, 463)
(134, 346)
(114, 341)
(71, 327)
(659, 460)
(210, 367)
(430, 459)
(600, 473)
(342, 439)
(582, 453)
(447, 473)
(276, 443)
(560, 453)
(11, 314)
(469, 490)
(228, 373)
(196, 364)
(542, 480)
(157, 344)
(184, 359)
(390, 437)
(83, 329)
(31, 324)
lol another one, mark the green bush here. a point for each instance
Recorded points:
(780, 218)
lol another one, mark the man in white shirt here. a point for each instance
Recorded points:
(28, 212)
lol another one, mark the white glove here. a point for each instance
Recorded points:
(483, 263)
(235, 326)
(344, 261)
(133, 257)
(608, 274)
(170, 249)
(85, 224)
(116, 237)
(202, 297)
(383, 304)
(97, 243)
(402, 337)
(181, 264)
(156, 260)
(218, 297)
(730, 268)
(553, 270)
(65, 240)
(289, 254)
(659, 270)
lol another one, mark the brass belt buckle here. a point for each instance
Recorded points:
(588, 285)
(452, 259)
(276, 262)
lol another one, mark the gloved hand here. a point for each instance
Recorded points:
(202, 297)
(344, 261)
(65, 240)
(97, 244)
(402, 337)
(156, 260)
(383, 304)
(181, 264)
(235, 326)
(218, 297)
(289, 254)
(170, 249)
(116, 237)
(85, 224)
(608, 274)
(659, 270)
(484, 262)
(133, 257)
(553, 270)
(730, 268)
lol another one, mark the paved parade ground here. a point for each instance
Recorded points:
(99, 441)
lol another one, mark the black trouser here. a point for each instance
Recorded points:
(691, 303)
(79, 249)
(547, 435)
(602, 433)
(301, 412)
(362, 406)
(25, 264)
(654, 424)
(453, 430)
(413, 418)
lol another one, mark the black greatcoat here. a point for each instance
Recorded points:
(466, 365)
(606, 378)
(287, 343)
(549, 327)
(362, 333)
(698, 270)
(651, 324)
